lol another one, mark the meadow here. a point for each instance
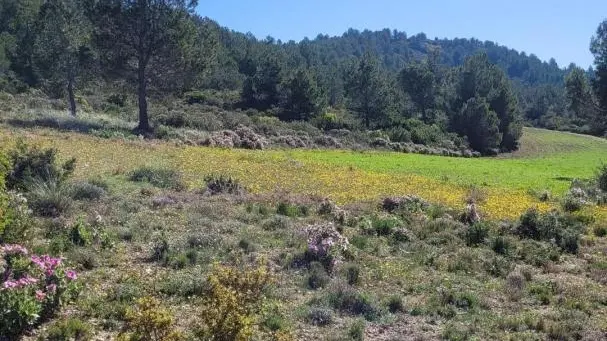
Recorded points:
(546, 161)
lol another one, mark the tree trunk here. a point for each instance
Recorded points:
(144, 124)
(70, 95)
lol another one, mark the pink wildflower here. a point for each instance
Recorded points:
(10, 285)
(13, 249)
(40, 296)
(71, 275)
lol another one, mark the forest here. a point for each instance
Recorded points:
(472, 93)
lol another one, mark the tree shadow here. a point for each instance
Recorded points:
(64, 125)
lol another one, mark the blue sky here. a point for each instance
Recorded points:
(557, 28)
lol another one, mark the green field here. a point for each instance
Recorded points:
(546, 160)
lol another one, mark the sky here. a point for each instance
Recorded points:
(556, 29)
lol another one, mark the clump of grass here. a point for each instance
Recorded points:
(158, 177)
(318, 277)
(68, 329)
(347, 300)
(223, 185)
(356, 332)
(515, 285)
(49, 198)
(291, 210)
(352, 272)
(395, 304)
(320, 316)
(84, 190)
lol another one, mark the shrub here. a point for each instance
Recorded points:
(318, 277)
(600, 231)
(32, 164)
(68, 329)
(81, 233)
(552, 226)
(288, 209)
(158, 177)
(395, 304)
(352, 274)
(571, 203)
(16, 223)
(356, 332)
(320, 316)
(350, 301)
(84, 190)
(233, 300)
(501, 245)
(49, 199)
(223, 185)
(34, 288)
(149, 321)
(601, 178)
(476, 234)
(515, 285)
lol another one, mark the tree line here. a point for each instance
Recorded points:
(480, 91)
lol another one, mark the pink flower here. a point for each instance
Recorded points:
(40, 296)
(13, 249)
(25, 281)
(10, 285)
(71, 275)
(51, 288)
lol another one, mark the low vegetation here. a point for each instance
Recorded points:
(140, 255)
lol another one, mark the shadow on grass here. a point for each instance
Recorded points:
(563, 178)
(68, 125)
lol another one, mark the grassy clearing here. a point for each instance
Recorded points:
(547, 161)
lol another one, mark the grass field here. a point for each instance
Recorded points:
(546, 161)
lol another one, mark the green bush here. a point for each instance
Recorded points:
(289, 210)
(563, 230)
(84, 190)
(356, 332)
(158, 177)
(16, 222)
(476, 234)
(81, 233)
(67, 330)
(32, 165)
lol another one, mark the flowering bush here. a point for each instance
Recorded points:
(325, 245)
(31, 288)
